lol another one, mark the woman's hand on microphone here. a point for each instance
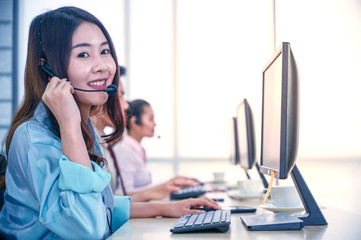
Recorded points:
(58, 97)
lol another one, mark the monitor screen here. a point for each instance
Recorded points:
(246, 136)
(280, 113)
(234, 154)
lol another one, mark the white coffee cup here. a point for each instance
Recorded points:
(285, 196)
(218, 176)
(249, 187)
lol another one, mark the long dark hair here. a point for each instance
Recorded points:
(50, 38)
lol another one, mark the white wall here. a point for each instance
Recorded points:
(325, 37)
(218, 51)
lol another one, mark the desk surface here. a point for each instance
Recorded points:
(341, 225)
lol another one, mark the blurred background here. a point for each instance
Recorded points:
(195, 60)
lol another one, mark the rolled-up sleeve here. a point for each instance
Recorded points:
(71, 203)
(121, 211)
(78, 178)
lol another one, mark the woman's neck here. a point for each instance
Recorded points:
(98, 123)
(135, 135)
(84, 111)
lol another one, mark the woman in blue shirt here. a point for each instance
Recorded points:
(56, 187)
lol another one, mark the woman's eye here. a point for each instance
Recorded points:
(105, 51)
(83, 55)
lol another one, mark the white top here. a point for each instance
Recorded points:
(115, 180)
(131, 159)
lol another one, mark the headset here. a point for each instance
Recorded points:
(137, 121)
(44, 66)
(130, 112)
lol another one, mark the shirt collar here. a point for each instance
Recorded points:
(41, 115)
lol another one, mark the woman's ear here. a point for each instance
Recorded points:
(132, 121)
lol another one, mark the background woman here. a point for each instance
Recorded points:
(131, 155)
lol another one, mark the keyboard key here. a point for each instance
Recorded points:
(208, 218)
(182, 221)
(191, 220)
(217, 216)
(224, 216)
(200, 219)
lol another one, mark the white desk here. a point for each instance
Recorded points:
(341, 225)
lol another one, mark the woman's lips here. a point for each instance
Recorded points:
(98, 84)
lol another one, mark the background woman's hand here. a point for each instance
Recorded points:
(158, 192)
(164, 190)
(58, 97)
(180, 181)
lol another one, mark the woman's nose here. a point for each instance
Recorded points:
(99, 65)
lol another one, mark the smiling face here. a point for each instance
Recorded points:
(91, 65)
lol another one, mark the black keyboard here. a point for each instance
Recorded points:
(218, 220)
(188, 192)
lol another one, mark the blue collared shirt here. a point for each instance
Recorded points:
(49, 197)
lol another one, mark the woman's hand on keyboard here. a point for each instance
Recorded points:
(188, 206)
(171, 209)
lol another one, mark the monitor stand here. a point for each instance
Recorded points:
(313, 215)
(287, 221)
(247, 175)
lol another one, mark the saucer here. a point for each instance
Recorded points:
(273, 208)
(240, 196)
(217, 182)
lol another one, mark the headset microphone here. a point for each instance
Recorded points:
(111, 90)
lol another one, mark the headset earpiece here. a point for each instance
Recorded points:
(137, 121)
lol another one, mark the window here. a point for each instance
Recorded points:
(8, 79)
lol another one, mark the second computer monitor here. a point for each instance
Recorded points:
(246, 135)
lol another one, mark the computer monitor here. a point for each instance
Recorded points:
(233, 133)
(245, 127)
(247, 139)
(279, 135)
(280, 113)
